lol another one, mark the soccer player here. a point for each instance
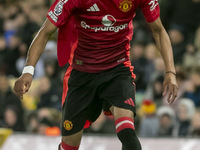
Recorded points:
(101, 75)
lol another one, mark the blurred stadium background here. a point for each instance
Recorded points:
(33, 123)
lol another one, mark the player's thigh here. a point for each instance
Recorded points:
(121, 112)
(81, 106)
(74, 139)
(120, 97)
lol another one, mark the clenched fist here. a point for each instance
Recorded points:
(22, 84)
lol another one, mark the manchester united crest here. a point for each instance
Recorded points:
(125, 5)
(67, 125)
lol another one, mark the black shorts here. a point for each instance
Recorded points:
(88, 93)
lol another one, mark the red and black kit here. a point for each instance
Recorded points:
(88, 93)
(100, 74)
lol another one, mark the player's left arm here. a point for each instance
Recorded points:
(164, 45)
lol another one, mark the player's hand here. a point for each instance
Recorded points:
(22, 85)
(170, 87)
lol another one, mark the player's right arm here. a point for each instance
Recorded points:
(38, 45)
(36, 49)
(58, 14)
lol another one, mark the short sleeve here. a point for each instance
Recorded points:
(61, 10)
(150, 9)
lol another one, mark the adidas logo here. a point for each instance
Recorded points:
(93, 8)
(130, 102)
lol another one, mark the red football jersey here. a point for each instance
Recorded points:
(104, 29)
